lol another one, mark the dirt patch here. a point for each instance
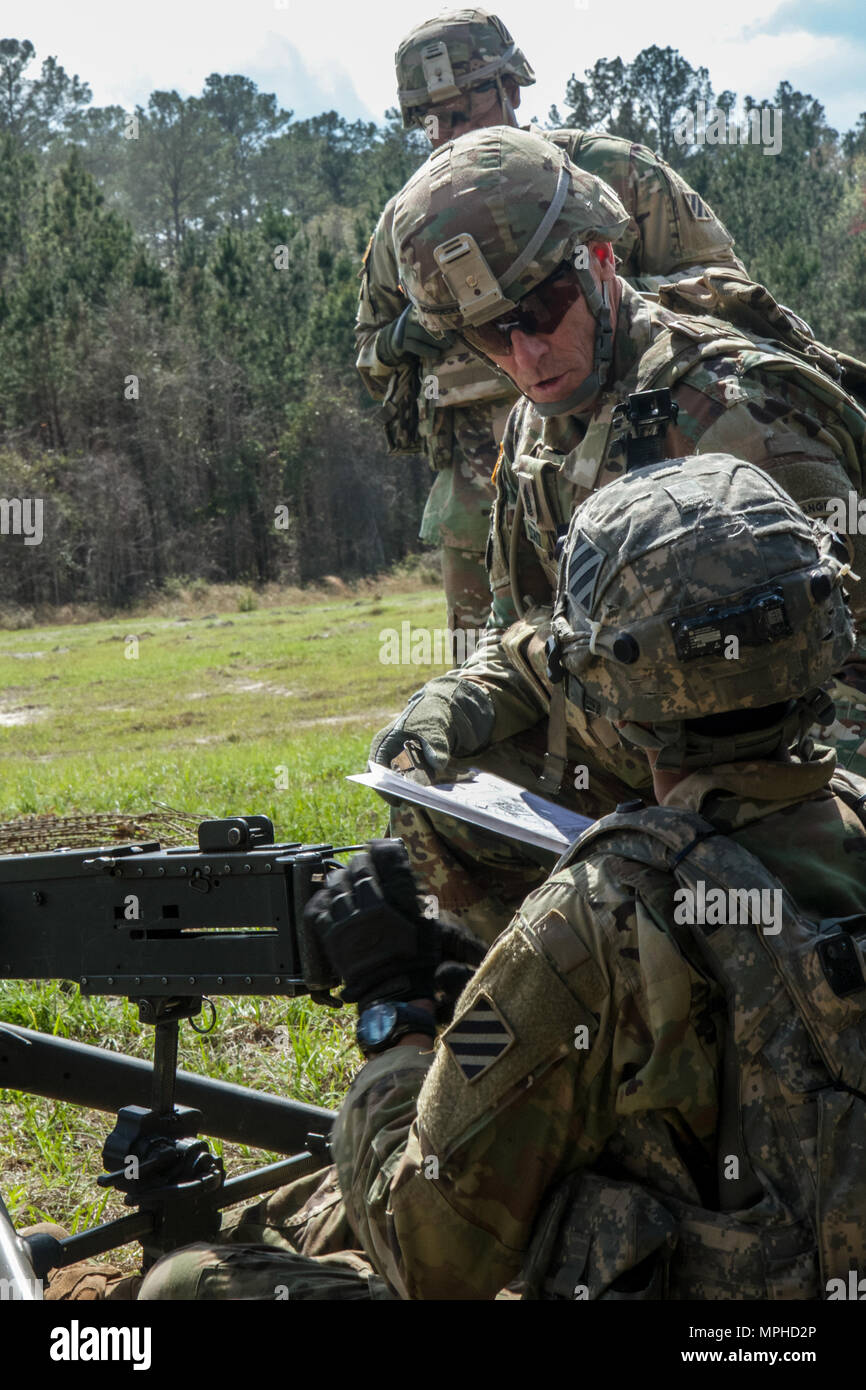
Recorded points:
(236, 686)
(361, 717)
(266, 687)
(22, 714)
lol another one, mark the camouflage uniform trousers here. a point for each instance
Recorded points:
(467, 588)
(457, 514)
(483, 877)
(295, 1245)
(848, 733)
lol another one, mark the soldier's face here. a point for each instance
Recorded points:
(474, 110)
(548, 367)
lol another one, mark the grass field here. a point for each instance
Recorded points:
(207, 705)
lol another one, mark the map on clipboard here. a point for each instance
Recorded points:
(488, 801)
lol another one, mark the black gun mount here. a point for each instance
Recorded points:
(168, 928)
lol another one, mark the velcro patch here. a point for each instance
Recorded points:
(697, 207)
(558, 938)
(688, 495)
(478, 1038)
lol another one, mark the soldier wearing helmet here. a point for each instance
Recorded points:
(626, 1103)
(501, 239)
(456, 73)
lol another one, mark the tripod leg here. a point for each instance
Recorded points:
(164, 1066)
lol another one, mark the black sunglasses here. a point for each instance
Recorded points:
(455, 112)
(540, 311)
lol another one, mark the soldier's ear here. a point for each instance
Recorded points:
(605, 262)
(512, 91)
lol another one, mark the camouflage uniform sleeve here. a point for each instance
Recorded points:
(577, 1041)
(516, 699)
(767, 419)
(680, 233)
(672, 233)
(380, 302)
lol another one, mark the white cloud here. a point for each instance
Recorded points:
(340, 53)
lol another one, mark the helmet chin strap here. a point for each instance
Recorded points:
(599, 304)
(584, 392)
(509, 115)
(683, 750)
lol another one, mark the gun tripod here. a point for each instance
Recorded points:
(170, 1175)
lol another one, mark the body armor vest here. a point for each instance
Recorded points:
(790, 1217)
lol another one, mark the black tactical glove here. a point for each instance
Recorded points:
(406, 338)
(462, 953)
(370, 926)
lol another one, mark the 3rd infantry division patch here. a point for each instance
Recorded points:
(477, 1038)
(697, 207)
(583, 569)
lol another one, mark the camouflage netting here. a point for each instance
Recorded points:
(30, 834)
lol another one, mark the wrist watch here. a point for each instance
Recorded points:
(381, 1024)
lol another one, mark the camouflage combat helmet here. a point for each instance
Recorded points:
(448, 55)
(487, 218)
(697, 587)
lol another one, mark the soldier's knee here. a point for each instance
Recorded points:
(178, 1275)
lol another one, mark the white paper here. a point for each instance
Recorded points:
(488, 801)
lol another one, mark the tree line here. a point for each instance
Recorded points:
(178, 287)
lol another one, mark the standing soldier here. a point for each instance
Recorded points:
(456, 73)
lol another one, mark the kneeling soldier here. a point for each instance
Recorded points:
(653, 1084)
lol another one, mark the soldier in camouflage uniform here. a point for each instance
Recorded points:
(493, 235)
(455, 73)
(625, 1108)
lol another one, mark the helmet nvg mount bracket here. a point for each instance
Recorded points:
(491, 215)
(445, 57)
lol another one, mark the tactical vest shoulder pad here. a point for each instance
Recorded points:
(688, 340)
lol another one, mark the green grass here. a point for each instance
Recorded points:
(203, 719)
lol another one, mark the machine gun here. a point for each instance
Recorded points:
(170, 929)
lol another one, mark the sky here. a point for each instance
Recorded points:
(338, 54)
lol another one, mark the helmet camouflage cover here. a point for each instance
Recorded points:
(496, 210)
(696, 586)
(448, 55)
